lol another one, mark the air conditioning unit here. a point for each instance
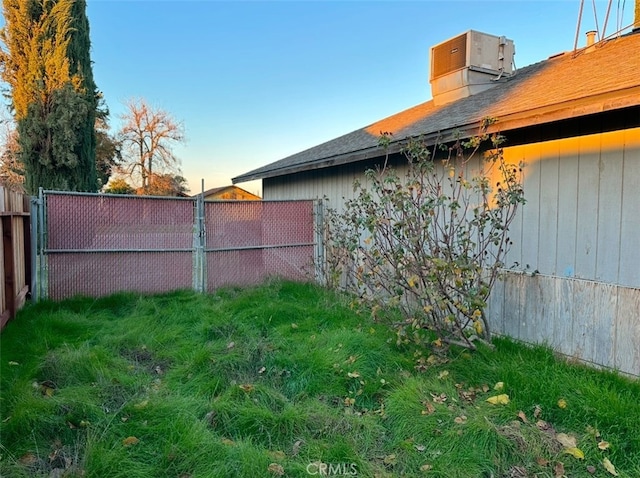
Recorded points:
(469, 63)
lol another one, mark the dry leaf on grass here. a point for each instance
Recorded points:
(567, 441)
(609, 467)
(275, 469)
(575, 452)
(502, 399)
(129, 441)
(558, 470)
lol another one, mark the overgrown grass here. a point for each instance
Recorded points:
(278, 379)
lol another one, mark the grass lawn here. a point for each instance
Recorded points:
(287, 380)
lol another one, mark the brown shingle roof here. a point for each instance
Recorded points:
(565, 86)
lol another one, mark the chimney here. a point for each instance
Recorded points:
(591, 37)
(636, 18)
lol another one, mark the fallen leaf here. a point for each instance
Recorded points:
(390, 459)
(502, 399)
(460, 420)
(246, 387)
(141, 405)
(439, 398)
(575, 452)
(28, 459)
(437, 342)
(443, 374)
(226, 441)
(278, 455)
(420, 448)
(558, 470)
(541, 461)
(12, 363)
(262, 370)
(429, 408)
(498, 386)
(542, 425)
(296, 447)
(566, 441)
(522, 417)
(129, 441)
(275, 469)
(603, 445)
(353, 374)
(230, 345)
(294, 325)
(426, 467)
(562, 403)
(537, 411)
(609, 467)
(591, 469)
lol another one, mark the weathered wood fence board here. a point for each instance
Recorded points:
(15, 265)
(591, 321)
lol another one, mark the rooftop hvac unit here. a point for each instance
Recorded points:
(466, 64)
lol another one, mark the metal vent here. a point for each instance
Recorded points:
(450, 56)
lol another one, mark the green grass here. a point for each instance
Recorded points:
(277, 379)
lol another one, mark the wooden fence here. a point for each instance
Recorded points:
(15, 260)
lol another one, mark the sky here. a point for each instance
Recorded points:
(254, 82)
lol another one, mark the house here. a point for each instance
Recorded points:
(227, 193)
(574, 119)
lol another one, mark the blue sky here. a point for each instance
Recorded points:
(254, 82)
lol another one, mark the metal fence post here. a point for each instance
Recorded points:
(199, 257)
(39, 279)
(318, 251)
(33, 219)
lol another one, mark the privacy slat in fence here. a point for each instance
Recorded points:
(96, 244)
(15, 262)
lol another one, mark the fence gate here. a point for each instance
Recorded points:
(98, 244)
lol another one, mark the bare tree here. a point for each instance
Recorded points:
(147, 137)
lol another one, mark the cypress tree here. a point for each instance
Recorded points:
(47, 65)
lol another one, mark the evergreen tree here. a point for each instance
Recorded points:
(47, 64)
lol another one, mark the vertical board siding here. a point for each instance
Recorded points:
(568, 213)
(590, 321)
(579, 230)
(549, 207)
(587, 215)
(610, 167)
(629, 265)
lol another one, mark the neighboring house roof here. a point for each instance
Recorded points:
(228, 192)
(603, 78)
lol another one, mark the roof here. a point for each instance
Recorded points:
(564, 86)
(219, 191)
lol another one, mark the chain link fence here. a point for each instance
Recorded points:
(98, 244)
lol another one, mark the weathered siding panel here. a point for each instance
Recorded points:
(549, 207)
(610, 166)
(587, 320)
(567, 209)
(629, 266)
(626, 353)
(587, 227)
(579, 229)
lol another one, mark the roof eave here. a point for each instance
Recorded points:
(542, 115)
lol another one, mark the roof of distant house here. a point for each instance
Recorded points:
(603, 78)
(222, 191)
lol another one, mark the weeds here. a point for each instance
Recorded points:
(283, 380)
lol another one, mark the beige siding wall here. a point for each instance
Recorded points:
(575, 261)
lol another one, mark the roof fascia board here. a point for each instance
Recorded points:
(547, 114)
